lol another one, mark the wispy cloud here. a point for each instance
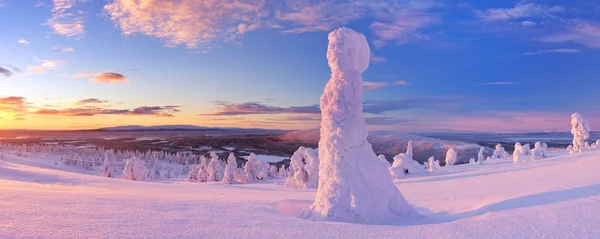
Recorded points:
(249, 108)
(15, 105)
(66, 21)
(5, 72)
(532, 53)
(586, 33)
(370, 86)
(62, 49)
(189, 24)
(23, 41)
(377, 59)
(90, 101)
(108, 78)
(164, 111)
(83, 74)
(43, 66)
(500, 83)
(402, 29)
(522, 11)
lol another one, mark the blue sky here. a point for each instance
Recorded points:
(499, 66)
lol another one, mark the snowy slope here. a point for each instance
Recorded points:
(554, 198)
(392, 143)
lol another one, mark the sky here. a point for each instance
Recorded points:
(436, 65)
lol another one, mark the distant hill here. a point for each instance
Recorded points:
(190, 128)
(392, 143)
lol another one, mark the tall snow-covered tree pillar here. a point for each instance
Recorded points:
(353, 185)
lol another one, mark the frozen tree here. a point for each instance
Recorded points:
(526, 149)
(480, 156)
(273, 172)
(304, 165)
(263, 173)
(472, 161)
(354, 186)
(228, 174)
(499, 152)
(107, 169)
(214, 168)
(135, 169)
(432, 166)
(230, 169)
(169, 173)
(251, 169)
(156, 171)
(570, 148)
(596, 145)
(193, 174)
(538, 151)
(450, 157)
(580, 130)
(405, 164)
(283, 172)
(384, 160)
(437, 164)
(586, 145)
(202, 175)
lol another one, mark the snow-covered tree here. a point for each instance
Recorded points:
(570, 148)
(214, 168)
(202, 175)
(437, 164)
(354, 186)
(263, 173)
(107, 169)
(405, 164)
(251, 169)
(273, 171)
(432, 166)
(480, 157)
(169, 172)
(304, 164)
(193, 174)
(499, 152)
(230, 169)
(526, 149)
(472, 161)
(450, 157)
(135, 169)
(156, 171)
(283, 172)
(580, 130)
(538, 151)
(384, 160)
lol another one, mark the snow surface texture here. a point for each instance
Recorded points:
(354, 186)
(580, 130)
(557, 197)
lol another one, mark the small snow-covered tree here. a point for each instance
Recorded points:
(586, 145)
(273, 171)
(450, 157)
(156, 171)
(214, 168)
(169, 172)
(596, 145)
(263, 173)
(384, 160)
(538, 151)
(480, 156)
(405, 164)
(283, 172)
(570, 148)
(304, 165)
(472, 161)
(202, 175)
(432, 166)
(135, 169)
(580, 130)
(251, 169)
(107, 169)
(499, 152)
(437, 164)
(526, 150)
(228, 174)
(193, 174)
